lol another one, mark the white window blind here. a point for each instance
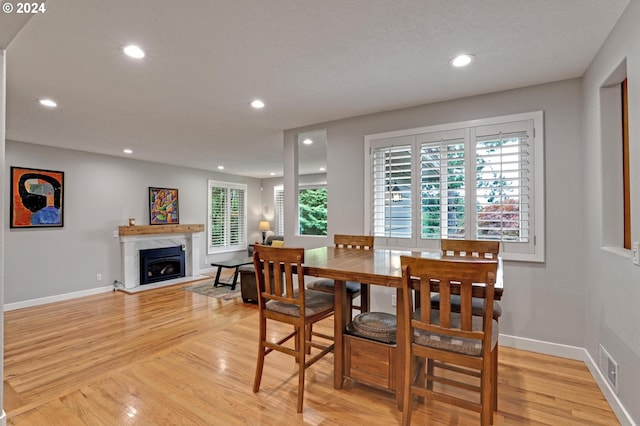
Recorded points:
(481, 179)
(227, 224)
(278, 220)
(502, 187)
(392, 191)
(443, 179)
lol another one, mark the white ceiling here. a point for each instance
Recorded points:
(187, 101)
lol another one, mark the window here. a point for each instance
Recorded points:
(227, 217)
(312, 215)
(278, 202)
(479, 180)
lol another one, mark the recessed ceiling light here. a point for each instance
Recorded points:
(133, 51)
(127, 151)
(48, 103)
(307, 141)
(323, 169)
(272, 174)
(462, 60)
(220, 167)
(257, 104)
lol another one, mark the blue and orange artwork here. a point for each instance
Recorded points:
(36, 198)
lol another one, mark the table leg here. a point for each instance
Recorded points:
(339, 322)
(235, 278)
(216, 283)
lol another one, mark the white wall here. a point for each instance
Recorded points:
(541, 301)
(100, 194)
(612, 282)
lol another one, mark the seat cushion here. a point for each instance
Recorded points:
(471, 347)
(247, 268)
(327, 286)
(477, 305)
(315, 303)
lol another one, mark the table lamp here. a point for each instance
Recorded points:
(264, 227)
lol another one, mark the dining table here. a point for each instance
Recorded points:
(377, 267)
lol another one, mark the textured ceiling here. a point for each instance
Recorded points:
(187, 101)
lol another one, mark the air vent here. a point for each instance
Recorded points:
(609, 368)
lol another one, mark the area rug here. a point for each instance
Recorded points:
(207, 289)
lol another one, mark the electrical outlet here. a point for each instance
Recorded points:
(98, 277)
(115, 233)
(393, 300)
(636, 253)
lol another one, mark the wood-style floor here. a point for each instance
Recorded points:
(172, 357)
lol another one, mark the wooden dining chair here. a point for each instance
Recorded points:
(469, 249)
(354, 289)
(461, 341)
(282, 297)
(472, 249)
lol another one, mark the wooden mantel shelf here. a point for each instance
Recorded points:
(160, 229)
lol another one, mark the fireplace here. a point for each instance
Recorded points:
(161, 264)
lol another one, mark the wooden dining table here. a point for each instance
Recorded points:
(379, 267)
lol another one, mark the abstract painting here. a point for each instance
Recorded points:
(163, 206)
(37, 198)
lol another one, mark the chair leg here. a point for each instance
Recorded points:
(365, 298)
(486, 394)
(261, 354)
(495, 378)
(409, 375)
(301, 339)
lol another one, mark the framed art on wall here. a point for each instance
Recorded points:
(163, 206)
(36, 198)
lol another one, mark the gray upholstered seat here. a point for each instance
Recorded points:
(477, 305)
(471, 347)
(315, 302)
(327, 286)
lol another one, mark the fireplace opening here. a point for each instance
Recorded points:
(161, 264)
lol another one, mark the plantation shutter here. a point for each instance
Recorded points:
(278, 220)
(443, 188)
(217, 228)
(504, 201)
(392, 189)
(227, 217)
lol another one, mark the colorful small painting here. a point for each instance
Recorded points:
(163, 206)
(36, 198)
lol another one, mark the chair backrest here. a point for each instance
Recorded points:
(361, 242)
(470, 248)
(276, 275)
(466, 278)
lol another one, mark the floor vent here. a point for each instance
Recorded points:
(609, 368)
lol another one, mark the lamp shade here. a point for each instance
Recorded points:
(263, 225)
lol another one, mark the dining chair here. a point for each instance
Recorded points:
(354, 289)
(459, 341)
(469, 249)
(472, 249)
(282, 297)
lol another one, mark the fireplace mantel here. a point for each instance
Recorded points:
(136, 238)
(160, 229)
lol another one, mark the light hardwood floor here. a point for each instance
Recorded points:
(172, 357)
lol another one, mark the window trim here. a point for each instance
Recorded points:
(537, 166)
(242, 244)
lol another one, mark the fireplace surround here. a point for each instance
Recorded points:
(143, 237)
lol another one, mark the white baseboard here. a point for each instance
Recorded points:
(579, 354)
(56, 298)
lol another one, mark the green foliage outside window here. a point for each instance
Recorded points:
(313, 211)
